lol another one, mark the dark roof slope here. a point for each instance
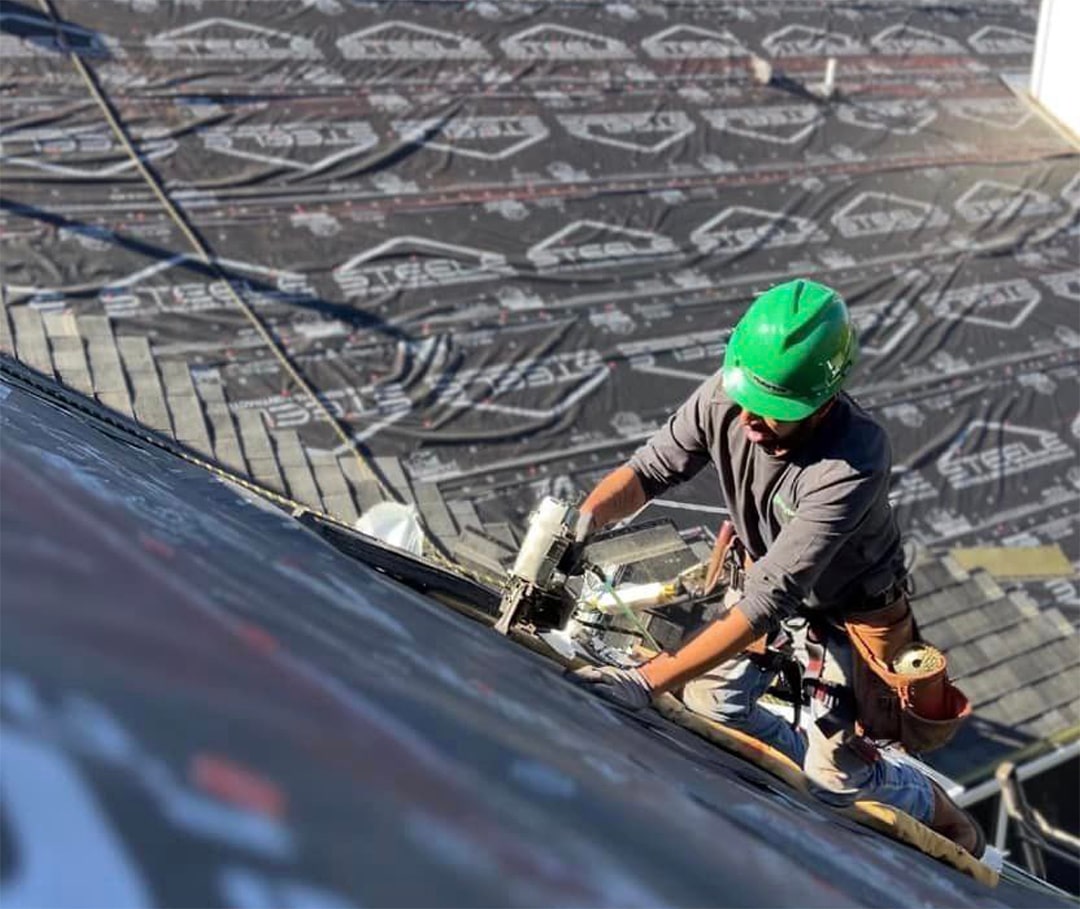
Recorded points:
(205, 704)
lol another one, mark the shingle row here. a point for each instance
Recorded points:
(124, 374)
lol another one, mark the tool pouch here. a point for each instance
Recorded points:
(885, 699)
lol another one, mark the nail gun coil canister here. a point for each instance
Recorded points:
(545, 542)
(924, 670)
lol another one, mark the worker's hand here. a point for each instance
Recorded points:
(625, 687)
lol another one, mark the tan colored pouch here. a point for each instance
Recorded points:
(919, 734)
(884, 698)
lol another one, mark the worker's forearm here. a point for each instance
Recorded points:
(615, 497)
(725, 638)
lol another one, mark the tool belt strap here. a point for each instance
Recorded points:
(837, 699)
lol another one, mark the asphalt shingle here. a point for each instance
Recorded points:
(939, 605)
(69, 360)
(148, 397)
(464, 512)
(106, 371)
(433, 509)
(222, 427)
(334, 489)
(7, 338)
(996, 616)
(258, 452)
(294, 464)
(367, 491)
(990, 685)
(1018, 665)
(189, 422)
(930, 575)
(482, 552)
(392, 474)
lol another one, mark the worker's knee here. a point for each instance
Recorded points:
(837, 773)
(831, 785)
(724, 703)
(843, 775)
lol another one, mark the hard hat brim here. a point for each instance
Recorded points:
(744, 392)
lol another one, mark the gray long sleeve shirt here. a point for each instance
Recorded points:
(817, 521)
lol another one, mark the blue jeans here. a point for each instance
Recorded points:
(840, 773)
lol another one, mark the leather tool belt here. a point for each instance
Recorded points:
(885, 699)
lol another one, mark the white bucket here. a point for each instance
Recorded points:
(394, 524)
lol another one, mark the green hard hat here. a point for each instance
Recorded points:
(790, 352)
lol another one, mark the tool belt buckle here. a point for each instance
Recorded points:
(734, 561)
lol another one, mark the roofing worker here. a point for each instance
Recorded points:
(805, 475)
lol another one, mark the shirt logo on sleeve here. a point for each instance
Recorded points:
(784, 512)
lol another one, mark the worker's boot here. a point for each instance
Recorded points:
(954, 823)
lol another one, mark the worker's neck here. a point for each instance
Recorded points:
(799, 435)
